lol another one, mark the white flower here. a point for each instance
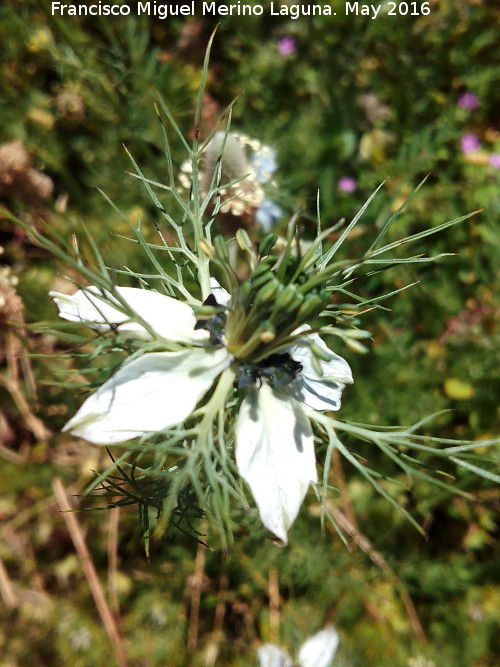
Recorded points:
(274, 439)
(271, 655)
(318, 651)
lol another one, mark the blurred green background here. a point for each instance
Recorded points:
(337, 97)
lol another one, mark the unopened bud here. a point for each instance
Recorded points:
(207, 248)
(207, 312)
(316, 365)
(267, 243)
(311, 306)
(244, 293)
(356, 346)
(286, 297)
(269, 292)
(320, 353)
(244, 241)
(295, 303)
(261, 280)
(221, 248)
(324, 296)
(267, 336)
(261, 268)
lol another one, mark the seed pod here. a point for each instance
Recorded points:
(267, 243)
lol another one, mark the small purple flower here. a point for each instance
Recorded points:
(468, 100)
(347, 184)
(494, 160)
(470, 143)
(286, 46)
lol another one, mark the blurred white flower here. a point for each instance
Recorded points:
(317, 651)
(271, 655)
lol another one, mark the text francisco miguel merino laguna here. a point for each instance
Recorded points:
(162, 11)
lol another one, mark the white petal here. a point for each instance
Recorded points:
(320, 392)
(319, 650)
(88, 307)
(271, 655)
(275, 455)
(169, 318)
(221, 295)
(148, 394)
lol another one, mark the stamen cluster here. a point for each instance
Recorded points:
(277, 298)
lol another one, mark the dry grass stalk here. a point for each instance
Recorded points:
(366, 546)
(94, 583)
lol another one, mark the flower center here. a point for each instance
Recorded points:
(267, 308)
(277, 369)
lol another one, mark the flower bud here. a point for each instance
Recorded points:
(325, 297)
(261, 280)
(206, 312)
(316, 365)
(269, 292)
(295, 304)
(221, 249)
(286, 298)
(267, 244)
(320, 353)
(244, 293)
(310, 307)
(263, 266)
(207, 248)
(243, 240)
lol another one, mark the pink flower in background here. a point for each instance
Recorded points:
(286, 46)
(468, 100)
(494, 160)
(347, 184)
(470, 143)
